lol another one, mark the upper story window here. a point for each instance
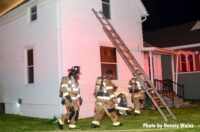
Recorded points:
(30, 66)
(33, 13)
(188, 61)
(108, 61)
(106, 8)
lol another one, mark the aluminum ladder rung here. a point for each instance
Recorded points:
(151, 89)
(162, 106)
(155, 98)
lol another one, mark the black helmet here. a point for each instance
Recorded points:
(121, 100)
(109, 73)
(74, 71)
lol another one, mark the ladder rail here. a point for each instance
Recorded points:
(129, 53)
(133, 59)
(140, 80)
(128, 57)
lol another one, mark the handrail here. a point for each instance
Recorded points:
(167, 86)
(180, 88)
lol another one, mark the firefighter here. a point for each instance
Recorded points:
(105, 100)
(71, 99)
(137, 94)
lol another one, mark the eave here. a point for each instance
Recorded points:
(8, 5)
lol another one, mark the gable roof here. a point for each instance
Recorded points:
(174, 36)
(196, 26)
(8, 5)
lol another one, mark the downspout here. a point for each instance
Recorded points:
(141, 55)
(144, 19)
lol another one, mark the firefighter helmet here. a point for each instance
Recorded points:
(121, 100)
(74, 71)
(109, 73)
(121, 104)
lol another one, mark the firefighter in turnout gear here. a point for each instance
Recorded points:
(105, 100)
(71, 99)
(137, 94)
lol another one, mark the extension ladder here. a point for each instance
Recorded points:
(134, 66)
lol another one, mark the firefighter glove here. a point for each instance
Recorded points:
(132, 100)
(68, 98)
(80, 100)
(61, 94)
(63, 101)
(130, 90)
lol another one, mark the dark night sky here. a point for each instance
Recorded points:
(165, 13)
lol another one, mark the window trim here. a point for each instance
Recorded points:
(182, 62)
(109, 63)
(187, 54)
(109, 5)
(33, 13)
(29, 66)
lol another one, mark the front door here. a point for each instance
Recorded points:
(166, 63)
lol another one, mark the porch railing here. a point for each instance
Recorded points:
(166, 86)
(180, 87)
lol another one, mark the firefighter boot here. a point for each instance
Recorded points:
(72, 126)
(95, 124)
(60, 124)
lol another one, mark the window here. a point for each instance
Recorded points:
(197, 61)
(108, 61)
(106, 8)
(182, 63)
(188, 61)
(33, 13)
(30, 66)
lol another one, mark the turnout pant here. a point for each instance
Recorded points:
(102, 108)
(72, 112)
(138, 99)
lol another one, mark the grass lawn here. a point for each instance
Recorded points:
(189, 116)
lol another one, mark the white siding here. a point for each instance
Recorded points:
(70, 31)
(16, 35)
(82, 35)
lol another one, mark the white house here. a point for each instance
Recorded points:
(41, 39)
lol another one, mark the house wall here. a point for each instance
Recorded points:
(191, 85)
(82, 36)
(18, 34)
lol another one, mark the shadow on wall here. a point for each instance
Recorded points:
(2, 108)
